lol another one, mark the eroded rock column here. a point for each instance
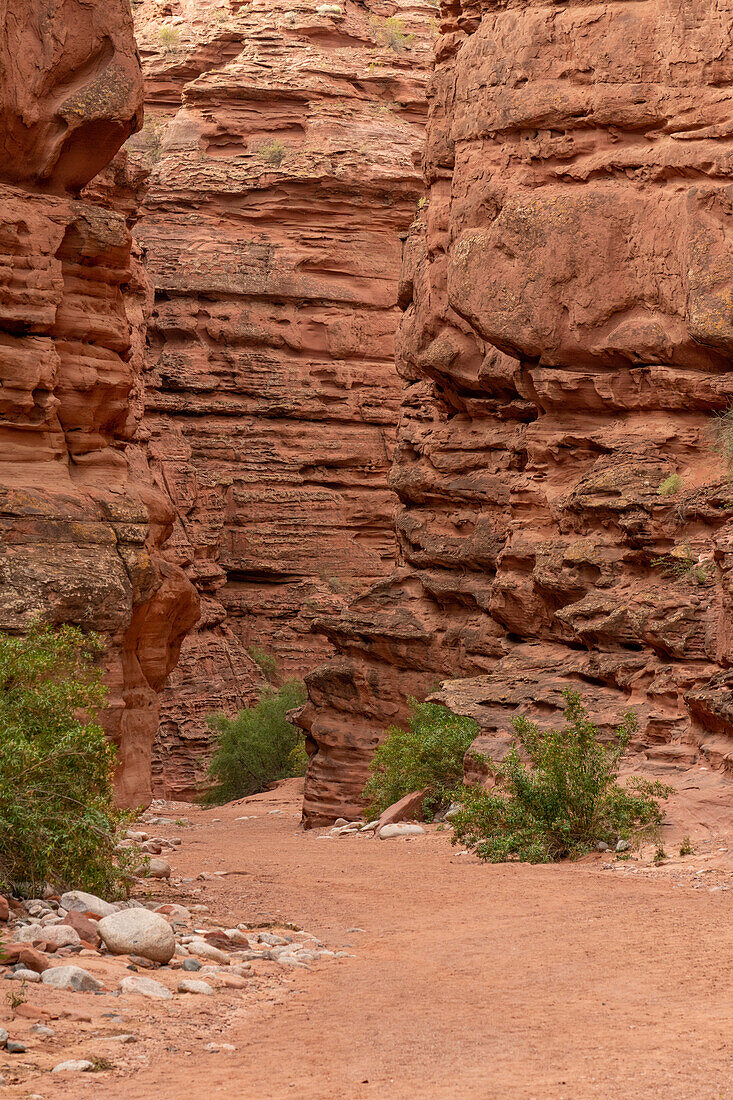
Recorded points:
(565, 504)
(284, 140)
(81, 531)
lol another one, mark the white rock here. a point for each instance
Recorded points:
(191, 985)
(138, 932)
(71, 977)
(389, 832)
(370, 826)
(156, 868)
(207, 951)
(79, 1065)
(146, 987)
(86, 903)
(3, 1036)
(60, 935)
(23, 976)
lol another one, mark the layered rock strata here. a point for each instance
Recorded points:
(563, 461)
(284, 140)
(81, 523)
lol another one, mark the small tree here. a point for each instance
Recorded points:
(258, 746)
(58, 823)
(428, 754)
(564, 800)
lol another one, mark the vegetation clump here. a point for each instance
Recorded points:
(683, 565)
(429, 755)
(266, 662)
(563, 799)
(272, 152)
(670, 485)
(58, 822)
(257, 747)
(391, 33)
(722, 433)
(168, 38)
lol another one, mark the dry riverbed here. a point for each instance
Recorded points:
(448, 978)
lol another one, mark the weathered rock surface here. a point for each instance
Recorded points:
(284, 144)
(564, 516)
(80, 529)
(73, 978)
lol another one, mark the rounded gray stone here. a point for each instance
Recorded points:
(71, 977)
(138, 932)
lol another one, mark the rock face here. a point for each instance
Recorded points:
(80, 529)
(284, 144)
(565, 506)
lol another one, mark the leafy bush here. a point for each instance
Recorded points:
(428, 754)
(564, 800)
(258, 746)
(722, 434)
(58, 823)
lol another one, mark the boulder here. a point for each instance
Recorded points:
(407, 807)
(138, 932)
(71, 977)
(79, 902)
(86, 929)
(146, 987)
(154, 868)
(54, 935)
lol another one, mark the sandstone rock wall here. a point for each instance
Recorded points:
(284, 141)
(563, 460)
(81, 523)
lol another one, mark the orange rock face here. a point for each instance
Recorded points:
(284, 141)
(80, 531)
(565, 506)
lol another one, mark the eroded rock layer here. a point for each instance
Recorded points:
(566, 508)
(284, 143)
(80, 520)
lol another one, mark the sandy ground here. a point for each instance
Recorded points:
(467, 980)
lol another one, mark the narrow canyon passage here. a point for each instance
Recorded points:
(466, 981)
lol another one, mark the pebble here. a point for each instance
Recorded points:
(190, 985)
(214, 1047)
(601, 846)
(191, 964)
(59, 935)
(24, 976)
(208, 951)
(121, 1038)
(71, 977)
(14, 1047)
(146, 987)
(623, 846)
(156, 868)
(388, 832)
(80, 1065)
(3, 1036)
(43, 1031)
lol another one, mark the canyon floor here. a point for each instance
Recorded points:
(597, 979)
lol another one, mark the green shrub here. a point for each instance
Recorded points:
(670, 485)
(258, 746)
(391, 33)
(722, 434)
(684, 566)
(429, 753)
(564, 800)
(58, 823)
(168, 37)
(266, 662)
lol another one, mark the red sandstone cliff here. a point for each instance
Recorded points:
(284, 141)
(564, 512)
(81, 529)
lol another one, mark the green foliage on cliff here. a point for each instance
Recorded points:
(563, 798)
(58, 822)
(427, 755)
(258, 746)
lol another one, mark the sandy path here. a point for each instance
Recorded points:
(468, 981)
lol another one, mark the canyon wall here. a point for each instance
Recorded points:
(563, 464)
(283, 140)
(81, 523)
